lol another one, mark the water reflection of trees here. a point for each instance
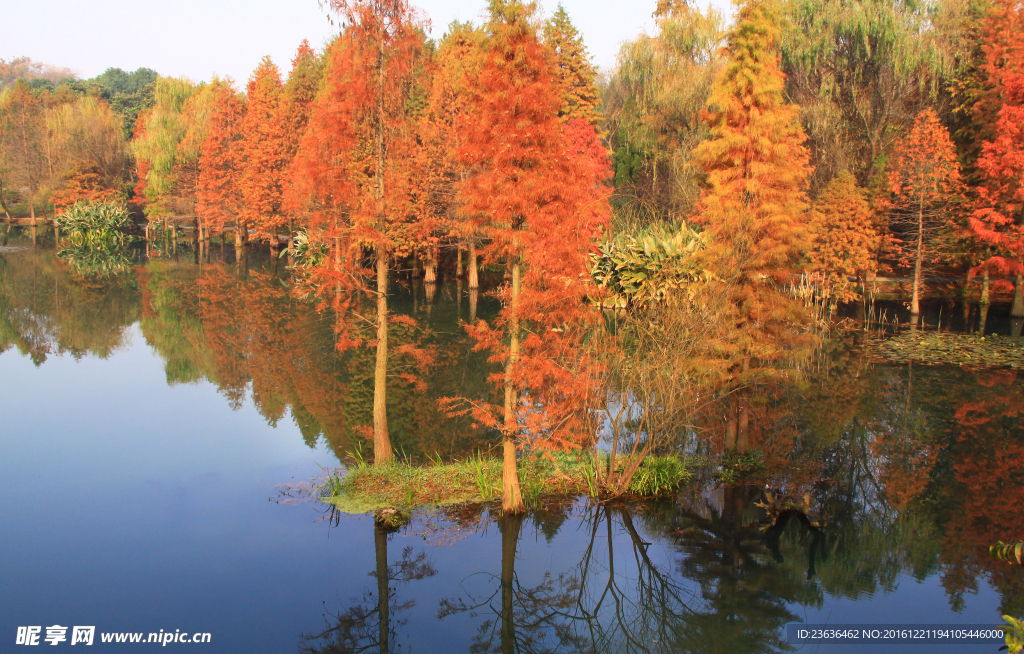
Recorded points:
(915, 469)
(235, 323)
(372, 622)
(247, 334)
(617, 598)
(46, 309)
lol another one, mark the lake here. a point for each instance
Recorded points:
(162, 428)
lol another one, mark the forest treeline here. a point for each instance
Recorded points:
(717, 163)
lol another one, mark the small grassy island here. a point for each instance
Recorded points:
(407, 486)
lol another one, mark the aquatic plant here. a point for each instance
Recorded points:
(306, 251)
(95, 236)
(1009, 552)
(96, 262)
(939, 348)
(1014, 634)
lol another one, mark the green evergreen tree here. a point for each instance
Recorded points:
(575, 70)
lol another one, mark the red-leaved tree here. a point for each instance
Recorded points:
(926, 186)
(263, 151)
(532, 195)
(999, 219)
(354, 169)
(218, 196)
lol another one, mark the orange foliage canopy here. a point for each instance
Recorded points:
(925, 174)
(84, 183)
(262, 150)
(845, 238)
(218, 196)
(1001, 165)
(533, 193)
(442, 127)
(355, 160)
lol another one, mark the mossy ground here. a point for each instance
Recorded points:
(365, 488)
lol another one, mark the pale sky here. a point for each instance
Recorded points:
(198, 38)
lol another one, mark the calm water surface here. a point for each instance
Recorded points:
(157, 425)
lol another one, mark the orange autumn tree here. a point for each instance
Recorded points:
(999, 219)
(353, 165)
(529, 193)
(845, 240)
(262, 152)
(755, 210)
(454, 68)
(925, 182)
(300, 92)
(218, 196)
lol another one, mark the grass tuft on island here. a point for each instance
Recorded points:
(365, 489)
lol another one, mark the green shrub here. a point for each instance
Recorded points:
(96, 225)
(643, 267)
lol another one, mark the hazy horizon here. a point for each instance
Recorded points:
(191, 38)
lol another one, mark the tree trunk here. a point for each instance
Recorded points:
(7, 212)
(1018, 299)
(730, 424)
(381, 440)
(511, 498)
(241, 234)
(474, 295)
(458, 261)
(743, 431)
(983, 303)
(915, 302)
(510, 526)
(471, 271)
(458, 297)
(430, 266)
(380, 545)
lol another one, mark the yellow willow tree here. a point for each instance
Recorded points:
(755, 210)
(156, 147)
(88, 151)
(354, 166)
(532, 193)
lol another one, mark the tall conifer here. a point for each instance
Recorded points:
(354, 165)
(534, 196)
(218, 193)
(754, 204)
(263, 150)
(575, 72)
